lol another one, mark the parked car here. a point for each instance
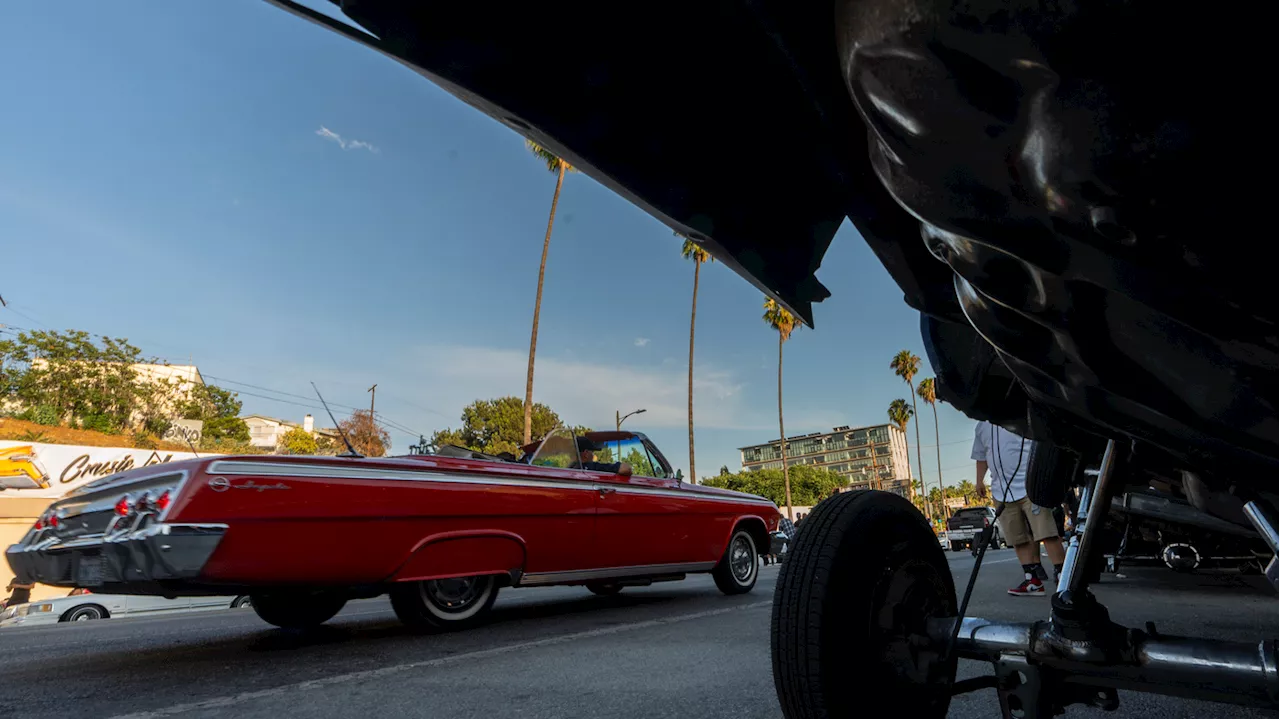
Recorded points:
(441, 533)
(966, 525)
(83, 606)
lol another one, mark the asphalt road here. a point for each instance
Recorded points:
(670, 650)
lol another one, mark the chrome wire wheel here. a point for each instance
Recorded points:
(742, 558)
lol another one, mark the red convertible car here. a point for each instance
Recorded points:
(441, 533)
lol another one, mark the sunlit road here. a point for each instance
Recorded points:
(671, 650)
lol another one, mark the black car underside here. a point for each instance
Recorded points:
(1062, 190)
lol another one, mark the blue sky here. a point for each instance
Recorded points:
(228, 184)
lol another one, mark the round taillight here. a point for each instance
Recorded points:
(39, 524)
(53, 521)
(163, 502)
(123, 506)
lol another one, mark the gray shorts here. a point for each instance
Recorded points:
(1022, 522)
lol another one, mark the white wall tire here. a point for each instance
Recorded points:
(739, 567)
(85, 613)
(445, 605)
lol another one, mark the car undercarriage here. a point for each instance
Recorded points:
(1061, 190)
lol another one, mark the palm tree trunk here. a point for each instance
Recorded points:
(919, 462)
(693, 318)
(911, 491)
(782, 432)
(942, 511)
(537, 308)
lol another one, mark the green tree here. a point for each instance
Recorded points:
(495, 426)
(808, 484)
(928, 391)
(900, 413)
(691, 251)
(366, 436)
(906, 365)
(297, 441)
(81, 379)
(782, 321)
(557, 165)
(219, 409)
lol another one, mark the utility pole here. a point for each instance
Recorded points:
(617, 420)
(373, 393)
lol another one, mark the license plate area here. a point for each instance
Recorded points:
(89, 570)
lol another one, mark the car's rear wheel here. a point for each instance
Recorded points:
(850, 613)
(445, 604)
(297, 610)
(242, 601)
(85, 613)
(604, 590)
(738, 569)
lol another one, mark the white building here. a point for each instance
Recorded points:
(266, 432)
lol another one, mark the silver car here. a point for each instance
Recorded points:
(83, 607)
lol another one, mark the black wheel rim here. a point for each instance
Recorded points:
(455, 596)
(906, 597)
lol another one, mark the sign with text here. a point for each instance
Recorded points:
(35, 469)
(184, 431)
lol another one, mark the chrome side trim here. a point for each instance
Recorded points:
(581, 575)
(280, 469)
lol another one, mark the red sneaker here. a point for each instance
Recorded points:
(1029, 588)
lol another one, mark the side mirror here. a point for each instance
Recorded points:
(624, 469)
(679, 475)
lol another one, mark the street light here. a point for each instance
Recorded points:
(619, 419)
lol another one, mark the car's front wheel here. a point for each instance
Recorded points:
(740, 566)
(85, 613)
(297, 610)
(242, 601)
(604, 590)
(445, 604)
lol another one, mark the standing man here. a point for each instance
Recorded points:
(1024, 524)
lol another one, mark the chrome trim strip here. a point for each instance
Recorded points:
(100, 540)
(579, 575)
(410, 474)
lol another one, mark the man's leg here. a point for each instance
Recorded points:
(1016, 531)
(1057, 555)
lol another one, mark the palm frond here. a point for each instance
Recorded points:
(691, 250)
(927, 390)
(777, 317)
(900, 413)
(553, 160)
(905, 365)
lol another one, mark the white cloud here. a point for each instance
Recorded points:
(642, 341)
(345, 144)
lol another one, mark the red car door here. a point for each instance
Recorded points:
(647, 519)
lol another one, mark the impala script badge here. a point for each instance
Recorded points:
(222, 484)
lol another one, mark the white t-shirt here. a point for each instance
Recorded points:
(1007, 464)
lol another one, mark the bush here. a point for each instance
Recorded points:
(143, 440)
(32, 436)
(43, 414)
(98, 423)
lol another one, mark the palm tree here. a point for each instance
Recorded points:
(559, 166)
(777, 317)
(906, 365)
(928, 391)
(691, 251)
(900, 413)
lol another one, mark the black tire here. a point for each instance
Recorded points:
(604, 590)
(242, 601)
(1049, 474)
(297, 610)
(957, 546)
(859, 553)
(85, 613)
(445, 605)
(739, 566)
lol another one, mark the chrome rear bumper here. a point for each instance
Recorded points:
(157, 552)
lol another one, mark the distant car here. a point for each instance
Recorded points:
(966, 525)
(82, 606)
